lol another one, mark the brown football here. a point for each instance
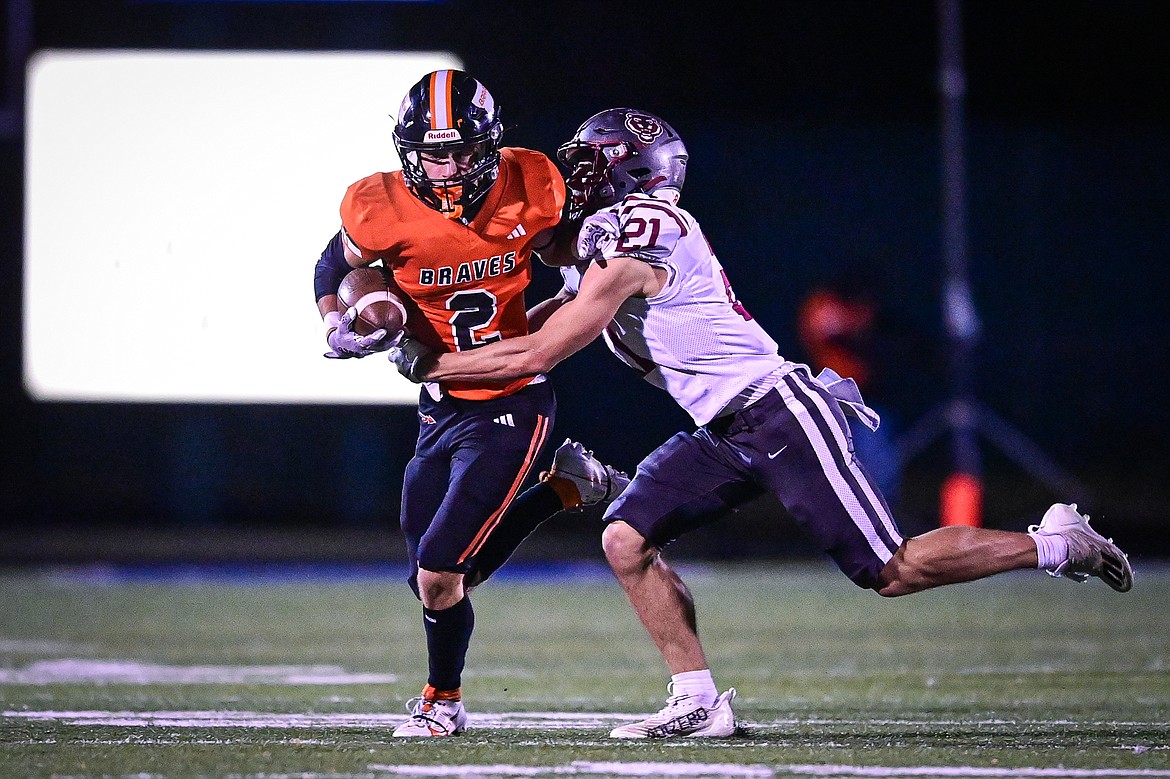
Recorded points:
(373, 293)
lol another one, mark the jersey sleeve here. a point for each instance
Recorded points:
(544, 187)
(648, 229)
(364, 215)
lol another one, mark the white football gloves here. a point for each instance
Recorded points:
(599, 232)
(409, 356)
(345, 343)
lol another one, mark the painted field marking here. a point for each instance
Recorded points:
(624, 769)
(74, 671)
(550, 720)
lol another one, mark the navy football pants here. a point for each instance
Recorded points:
(471, 459)
(794, 443)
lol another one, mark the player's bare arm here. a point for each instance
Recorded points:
(554, 245)
(539, 314)
(604, 287)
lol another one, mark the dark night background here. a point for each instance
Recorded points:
(814, 136)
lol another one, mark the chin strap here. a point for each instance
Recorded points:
(449, 205)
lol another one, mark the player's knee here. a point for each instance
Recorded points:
(907, 572)
(624, 547)
(439, 589)
(895, 585)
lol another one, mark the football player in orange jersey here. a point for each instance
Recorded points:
(457, 227)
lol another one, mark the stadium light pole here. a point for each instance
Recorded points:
(961, 495)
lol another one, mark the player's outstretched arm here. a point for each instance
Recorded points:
(554, 246)
(539, 314)
(604, 287)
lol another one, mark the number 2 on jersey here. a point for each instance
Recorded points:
(473, 310)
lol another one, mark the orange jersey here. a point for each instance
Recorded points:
(466, 281)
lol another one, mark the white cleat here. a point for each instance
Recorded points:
(684, 716)
(1089, 552)
(430, 718)
(582, 479)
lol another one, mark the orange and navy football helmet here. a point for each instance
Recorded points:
(449, 111)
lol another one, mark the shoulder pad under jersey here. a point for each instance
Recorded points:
(650, 228)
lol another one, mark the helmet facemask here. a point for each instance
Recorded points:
(619, 152)
(461, 190)
(588, 179)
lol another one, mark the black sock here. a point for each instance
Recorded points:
(448, 635)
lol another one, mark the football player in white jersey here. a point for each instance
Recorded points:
(651, 286)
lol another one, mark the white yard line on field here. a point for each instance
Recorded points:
(959, 771)
(630, 769)
(74, 671)
(551, 720)
(586, 768)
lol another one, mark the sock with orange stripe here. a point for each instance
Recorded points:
(430, 693)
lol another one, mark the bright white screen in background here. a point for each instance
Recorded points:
(175, 205)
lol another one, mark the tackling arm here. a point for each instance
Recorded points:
(539, 314)
(569, 329)
(554, 245)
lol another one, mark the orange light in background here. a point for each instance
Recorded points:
(961, 501)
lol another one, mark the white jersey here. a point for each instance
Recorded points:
(693, 339)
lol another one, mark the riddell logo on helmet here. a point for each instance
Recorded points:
(438, 136)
